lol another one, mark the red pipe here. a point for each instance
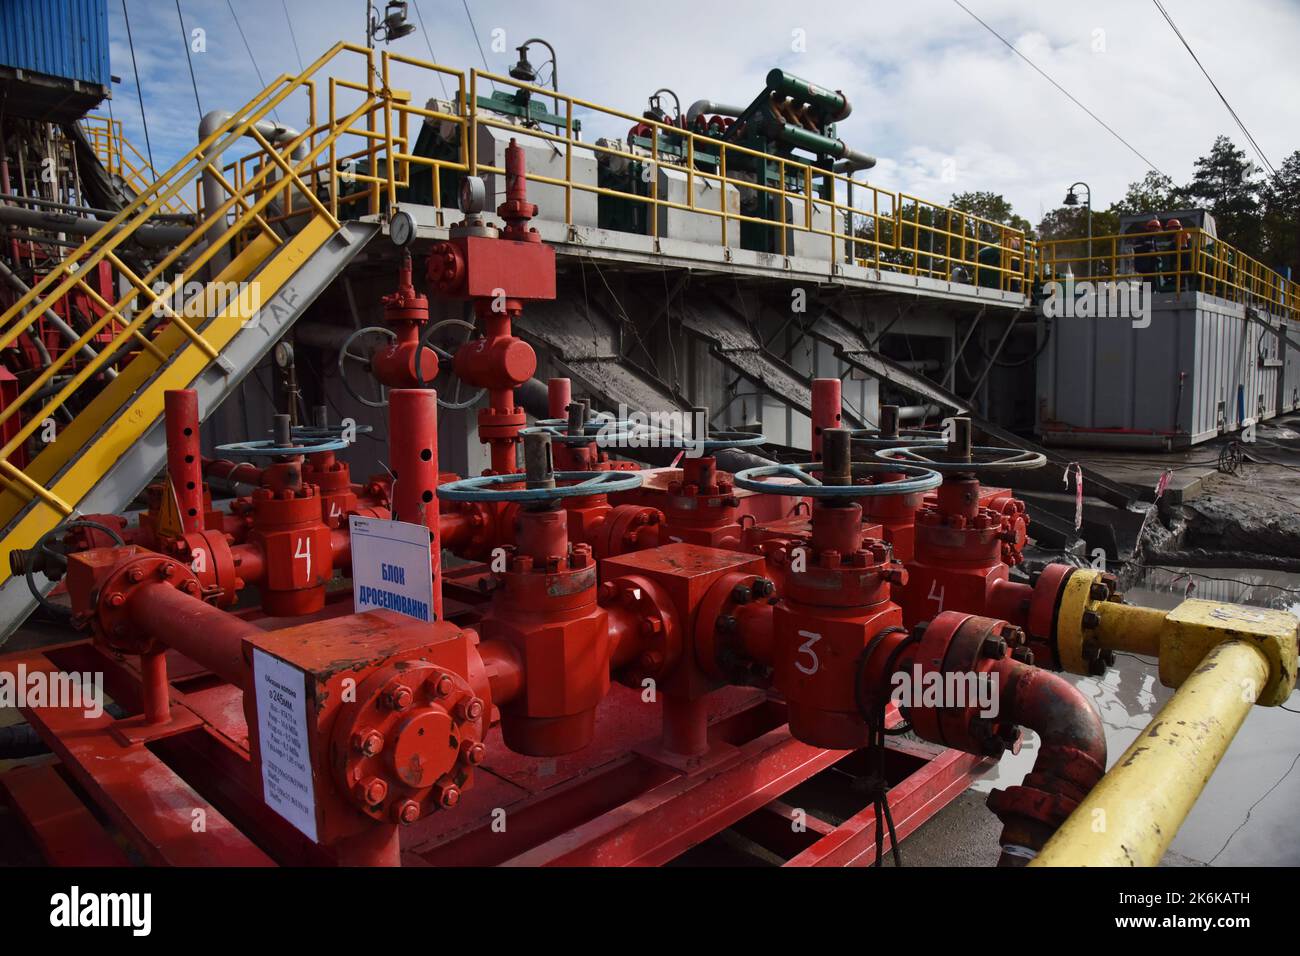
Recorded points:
(155, 687)
(209, 637)
(559, 394)
(413, 425)
(184, 462)
(826, 410)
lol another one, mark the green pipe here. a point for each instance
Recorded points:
(835, 104)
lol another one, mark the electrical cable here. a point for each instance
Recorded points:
(1231, 112)
(185, 39)
(464, 4)
(256, 69)
(1010, 46)
(433, 57)
(139, 92)
(292, 37)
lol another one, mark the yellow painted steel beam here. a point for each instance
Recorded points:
(125, 417)
(1133, 813)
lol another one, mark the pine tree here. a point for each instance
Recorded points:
(1228, 184)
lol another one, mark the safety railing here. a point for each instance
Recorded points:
(859, 222)
(120, 157)
(1172, 260)
(300, 175)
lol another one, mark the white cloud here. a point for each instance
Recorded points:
(927, 82)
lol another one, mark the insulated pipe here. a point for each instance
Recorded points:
(413, 425)
(184, 461)
(157, 236)
(213, 192)
(700, 107)
(1147, 795)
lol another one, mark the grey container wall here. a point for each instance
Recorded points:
(1104, 383)
(1289, 400)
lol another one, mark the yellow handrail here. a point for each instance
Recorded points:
(1173, 260)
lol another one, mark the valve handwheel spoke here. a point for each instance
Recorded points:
(364, 359)
(901, 480)
(445, 359)
(943, 459)
(489, 488)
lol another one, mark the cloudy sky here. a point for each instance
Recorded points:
(943, 104)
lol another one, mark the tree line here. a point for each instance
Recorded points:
(1257, 213)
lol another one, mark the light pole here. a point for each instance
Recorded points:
(1073, 200)
(393, 26)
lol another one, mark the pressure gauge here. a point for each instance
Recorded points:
(401, 228)
(283, 355)
(473, 195)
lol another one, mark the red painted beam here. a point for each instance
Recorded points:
(669, 819)
(154, 808)
(913, 801)
(64, 830)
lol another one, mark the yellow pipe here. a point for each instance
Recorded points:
(1127, 627)
(1132, 815)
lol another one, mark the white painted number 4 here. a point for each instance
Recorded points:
(304, 551)
(807, 648)
(936, 597)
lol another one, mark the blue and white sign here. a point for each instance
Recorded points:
(392, 567)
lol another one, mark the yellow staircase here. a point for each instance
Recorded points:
(260, 256)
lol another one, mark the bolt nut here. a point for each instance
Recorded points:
(471, 709)
(447, 794)
(406, 812)
(116, 599)
(651, 626)
(1098, 591)
(443, 685)
(135, 575)
(726, 623)
(473, 752)
(740, 594)
(1091, 619)
(372, 791)
(762, 587)
(399, 697)
(994, 647)
(368, 742)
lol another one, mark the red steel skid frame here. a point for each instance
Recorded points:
(612, 804)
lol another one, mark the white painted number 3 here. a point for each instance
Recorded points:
(807, 648)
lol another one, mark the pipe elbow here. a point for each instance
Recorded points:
(1057, 711)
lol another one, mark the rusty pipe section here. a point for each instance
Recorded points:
(1070, 762)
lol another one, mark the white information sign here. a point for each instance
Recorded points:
(392, 567)
(282, 739)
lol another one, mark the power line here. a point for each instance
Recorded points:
(252, 58)
(433, 57)
(289, 20)
(1233, 113)
(465, 4)
(1133, 149)
(185, 39)
(139, 91)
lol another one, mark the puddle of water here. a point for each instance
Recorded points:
(1263, 753)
